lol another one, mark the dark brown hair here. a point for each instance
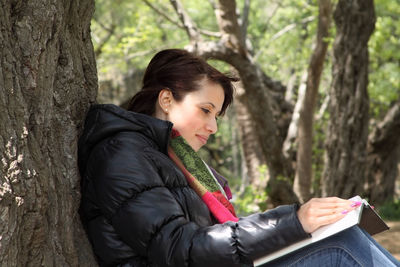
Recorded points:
(180, 72)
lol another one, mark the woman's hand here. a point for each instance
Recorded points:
(321, 211)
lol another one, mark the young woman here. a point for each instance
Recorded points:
(149, 200)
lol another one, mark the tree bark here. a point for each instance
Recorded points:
(259, 104)
(303, 177)
(347, 135)
(253, 156)
(383, 157)
(48, 79)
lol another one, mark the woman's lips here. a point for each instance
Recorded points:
(203, 139)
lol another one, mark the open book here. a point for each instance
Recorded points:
(364, 216)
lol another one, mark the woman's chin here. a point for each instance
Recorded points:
(196, 147)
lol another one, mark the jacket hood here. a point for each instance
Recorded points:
(105, 120)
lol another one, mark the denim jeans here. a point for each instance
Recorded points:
(352, 247)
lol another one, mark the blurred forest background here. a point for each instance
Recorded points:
(317, 111)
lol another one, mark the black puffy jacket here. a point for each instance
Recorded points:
(138, 209)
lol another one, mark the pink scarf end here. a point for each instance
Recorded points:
(217, 209)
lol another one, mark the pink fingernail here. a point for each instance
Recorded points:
(345, 212)
(372, 207)
(355, 204)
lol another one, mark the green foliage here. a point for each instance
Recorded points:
(390, 210)
(282, 34)
(384, 50)
(138, 33)
(252, 199)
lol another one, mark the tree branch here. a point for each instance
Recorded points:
(108, 29)
(323, 108)
(265, 28)
(286, 29)
(294, 123)
(245, 19)
(229, 26)
(387, 132)
(110, 32)
(176, 23)
(162, 14)
(210, 33)
(290, 27)
(384, 157)
(188, 24)
(273, 13)
(213, 4)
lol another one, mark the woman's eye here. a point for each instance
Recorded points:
(206, 111)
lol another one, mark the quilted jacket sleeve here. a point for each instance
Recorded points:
(143, 211)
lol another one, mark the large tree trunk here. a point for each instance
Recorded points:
(383, 157)
(259, 104)
(252, 153)
(303, 177)
(48, 79)
(348, 125)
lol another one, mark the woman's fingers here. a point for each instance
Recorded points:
(328, 219)
(327, 212)
(328, 205)
(321, 211)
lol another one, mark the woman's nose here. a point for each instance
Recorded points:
(212, 126)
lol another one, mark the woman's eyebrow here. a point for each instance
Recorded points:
(210, 103)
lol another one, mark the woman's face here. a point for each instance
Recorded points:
(195, 115)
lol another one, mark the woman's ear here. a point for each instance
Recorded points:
(165, 98)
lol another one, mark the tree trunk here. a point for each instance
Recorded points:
(259, 104)
(303, 177)
(253, 156)
(383, 157)
(348, 125)
(48, 78)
